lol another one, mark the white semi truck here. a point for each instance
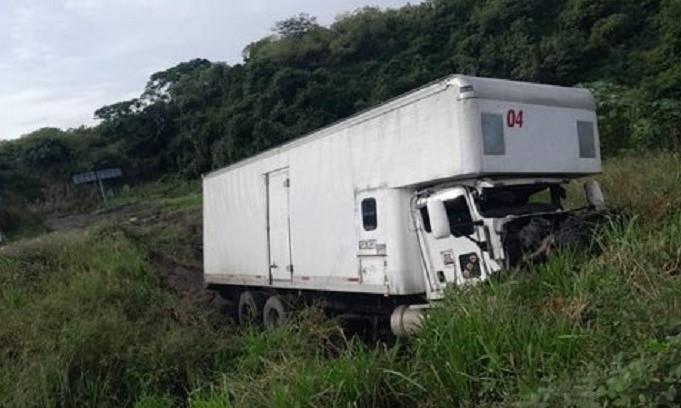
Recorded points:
(380, 213)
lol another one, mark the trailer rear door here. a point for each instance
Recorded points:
(279, 238)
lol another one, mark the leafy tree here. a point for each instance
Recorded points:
(199, 115)
(295, 27)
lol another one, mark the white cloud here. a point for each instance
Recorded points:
(62, 59)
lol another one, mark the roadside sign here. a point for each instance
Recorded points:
(96, 176)
(92, 176)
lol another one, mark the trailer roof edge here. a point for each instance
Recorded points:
(433, 87)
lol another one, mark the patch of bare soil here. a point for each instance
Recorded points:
(187, 282)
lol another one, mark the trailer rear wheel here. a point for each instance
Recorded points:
(250, 308)
(274, 313)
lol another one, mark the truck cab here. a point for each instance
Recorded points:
(470, 231)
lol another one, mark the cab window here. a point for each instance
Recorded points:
(369, 214)
(460, 221)
(426, 219)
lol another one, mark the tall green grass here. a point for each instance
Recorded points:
(499, 342)
(86, 322)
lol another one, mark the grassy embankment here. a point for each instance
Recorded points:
(86, 320)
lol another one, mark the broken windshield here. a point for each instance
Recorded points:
(497, 202)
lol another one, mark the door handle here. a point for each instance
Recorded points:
(274, 266)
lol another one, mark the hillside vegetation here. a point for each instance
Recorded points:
(200, 115)
(89, 318)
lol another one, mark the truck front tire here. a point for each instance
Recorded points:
(250, 308)
(274, 313)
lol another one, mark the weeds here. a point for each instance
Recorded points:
(86, 321)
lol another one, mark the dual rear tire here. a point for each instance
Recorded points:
(255, 308)
(250, 306)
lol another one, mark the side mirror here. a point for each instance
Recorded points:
(439, 222)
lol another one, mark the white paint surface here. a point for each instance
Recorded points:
(430, 135)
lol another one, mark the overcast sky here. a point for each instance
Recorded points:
(62, 59)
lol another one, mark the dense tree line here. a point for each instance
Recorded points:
(200, 115)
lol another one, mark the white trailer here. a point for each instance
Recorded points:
(386, 209)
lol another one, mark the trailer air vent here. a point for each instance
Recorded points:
(493, 134)
(587, 144)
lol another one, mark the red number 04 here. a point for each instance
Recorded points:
(514, 118)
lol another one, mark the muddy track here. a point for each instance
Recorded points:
(184, 279)
(60, 222)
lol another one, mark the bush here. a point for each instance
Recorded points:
(16, 223)
(652, 379)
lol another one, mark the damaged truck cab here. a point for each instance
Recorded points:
(471, 231)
